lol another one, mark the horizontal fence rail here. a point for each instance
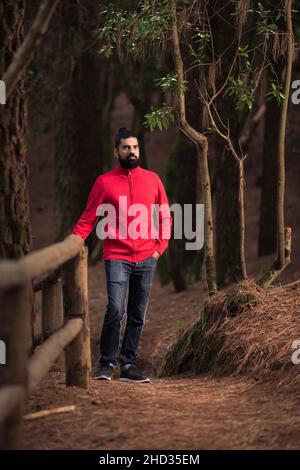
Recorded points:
(41, 282)
(41, 362)
(60, 272)
(14, 273)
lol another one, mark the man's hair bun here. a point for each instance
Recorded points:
(123, 133)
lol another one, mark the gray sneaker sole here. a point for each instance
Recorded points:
(143, 381)
(102, 377)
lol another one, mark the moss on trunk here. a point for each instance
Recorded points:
(15, 233)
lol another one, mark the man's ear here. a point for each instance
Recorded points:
(116, 153)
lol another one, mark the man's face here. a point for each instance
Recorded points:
(128, 152)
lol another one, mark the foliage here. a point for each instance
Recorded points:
(170, 82)
(144, 29)
(266, 24)
(134, 30)
(275, 92)
(241, 88)
(159, 118)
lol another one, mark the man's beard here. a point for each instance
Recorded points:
(128, 163)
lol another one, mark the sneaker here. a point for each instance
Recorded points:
(132, 375)
(104, 372)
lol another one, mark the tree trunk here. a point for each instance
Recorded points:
(15, 233)
(139, 130)
(230, 225)
(281, 140)
(23, 54)
(79, 148)
(133, 79)
(267, 224)
(227, 218)
(109, 90)
(182, 166)
(201, 143)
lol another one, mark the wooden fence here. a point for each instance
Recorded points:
(60, 271)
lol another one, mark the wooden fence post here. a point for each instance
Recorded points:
(52, 308)
(15, 321)
(75, 294)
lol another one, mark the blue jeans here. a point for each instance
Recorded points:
(137, 278)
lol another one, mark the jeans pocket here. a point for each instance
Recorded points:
(115, 271)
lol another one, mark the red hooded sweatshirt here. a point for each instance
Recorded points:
(132, 233)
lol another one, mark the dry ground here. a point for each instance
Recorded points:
(181, 412)
(173, 413)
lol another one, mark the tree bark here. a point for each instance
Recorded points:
(15, 233)
(182, 166)
(229, 196)
(23, 54)
(79, 150)
(133, 78)
(281, 139)
(202, 151)
(227, 216)
(267, 223)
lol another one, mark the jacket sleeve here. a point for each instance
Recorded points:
(164, 219)
(88, 218)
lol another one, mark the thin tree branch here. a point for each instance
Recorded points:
(281, 138)
(24, 54)
(186, 127)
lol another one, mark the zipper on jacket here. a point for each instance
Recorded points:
(131, 197)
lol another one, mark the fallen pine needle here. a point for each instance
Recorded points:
(53, 411)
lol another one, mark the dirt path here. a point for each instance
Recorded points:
(175, 413)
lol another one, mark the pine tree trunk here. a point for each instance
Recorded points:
(133, 81)
(281, 242)
(267, 225)
(202, 153)
(15, 234)
(182, 167)
(227, 218)
(139, 130)
(209, 257)
(79, 147)
(230, 226)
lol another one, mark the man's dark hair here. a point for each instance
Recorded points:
(123, 133)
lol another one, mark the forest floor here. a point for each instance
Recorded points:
(182, 412)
